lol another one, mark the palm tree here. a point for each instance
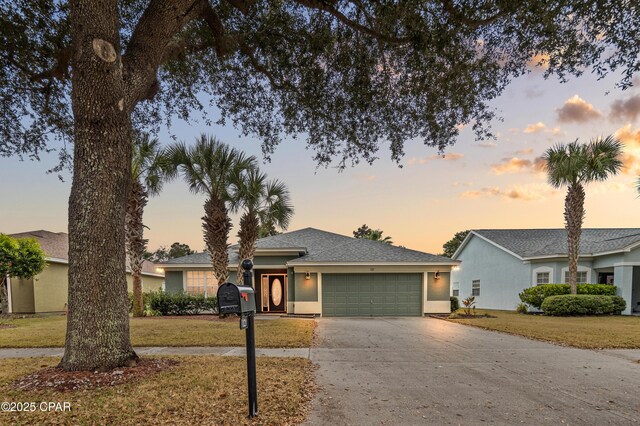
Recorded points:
(209, 167)
(148, 166)
(376, 235)
(575, 165)
(265, 204)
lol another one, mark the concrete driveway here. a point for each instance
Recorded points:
(428, 371)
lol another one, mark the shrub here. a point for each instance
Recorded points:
(469, 303)
(582, 304)
(534, 296)
(454, 315)
(522, 308)
(181, 304)
(145, 301)
(455, 303)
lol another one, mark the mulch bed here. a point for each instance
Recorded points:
(6, 326)
(58, 379)
(462, 316)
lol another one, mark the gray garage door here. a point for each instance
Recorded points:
(371, 295)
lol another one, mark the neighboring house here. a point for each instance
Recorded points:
(497, 264)
(48, 291)
(310, 271)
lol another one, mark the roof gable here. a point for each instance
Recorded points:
(539, 243)
(326, 247)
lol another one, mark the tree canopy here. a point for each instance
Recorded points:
(350, 75)
(371, 234)
(450, 247)
(163, 254)
(20, 257)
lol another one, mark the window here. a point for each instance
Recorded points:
(542, 278)
(201, 282)
(581, 277)
(455, 289)
(475, 288)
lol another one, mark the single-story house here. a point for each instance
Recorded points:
(497, 264)
(310, 271)
(48, 291)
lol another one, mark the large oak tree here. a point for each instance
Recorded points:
(350, 75)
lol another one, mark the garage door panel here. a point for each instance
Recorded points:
(372, 294)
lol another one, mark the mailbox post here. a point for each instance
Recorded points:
(247, 265)
(241, 300)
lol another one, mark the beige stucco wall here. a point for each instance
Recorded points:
(22, 296)
(149, 283)
(51, 288)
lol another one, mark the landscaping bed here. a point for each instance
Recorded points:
(462, 316)
(194, 390)
(587, 332)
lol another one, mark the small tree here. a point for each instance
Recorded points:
(261, 202)
(148, 167)
(575, 165)
(450, 247)
(209, 167)
(22, 258)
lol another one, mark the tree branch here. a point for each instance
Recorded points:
(327, 6)
(249, 52)
(450, 8)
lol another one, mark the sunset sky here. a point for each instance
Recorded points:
(487, 184)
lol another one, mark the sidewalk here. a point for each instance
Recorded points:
(167, 350)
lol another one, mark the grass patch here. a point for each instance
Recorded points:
(597, 332)
(200, 390)
(49, 331)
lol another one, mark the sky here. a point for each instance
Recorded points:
(476, 184)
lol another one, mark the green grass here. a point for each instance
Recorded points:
(155, 331)
(199, 390)
(621, 332)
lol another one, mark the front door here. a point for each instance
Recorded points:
(274, 292)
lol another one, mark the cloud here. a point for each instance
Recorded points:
(526, 151)
(516, 192)
(453, 156)
(628, 109)
(533, 92)
(365, 177)
(609, 186)
(577, 110)
(628, 136)
(518, 165)
(540, 127)
(487, 144)
(539, 62)
(535, 128)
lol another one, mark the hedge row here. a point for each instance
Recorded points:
(534, 296)
(455, 303)
(162, 303)
(583, 304)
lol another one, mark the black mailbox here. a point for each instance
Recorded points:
(236, 299)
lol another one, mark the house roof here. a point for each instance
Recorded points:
(56, 247)
(317, 246)
(537, 243)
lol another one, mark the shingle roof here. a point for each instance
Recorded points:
(56, 246)
(551, 242)
(327, 247)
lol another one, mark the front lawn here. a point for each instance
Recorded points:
(49, 331)
(621, 332)
(199, 390)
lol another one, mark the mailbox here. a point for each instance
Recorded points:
(236, 299)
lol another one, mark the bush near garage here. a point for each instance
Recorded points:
(582, 304)
(161, 303)
(455, 303)
(534, 296)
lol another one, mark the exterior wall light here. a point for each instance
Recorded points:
(437, 276)
(307, 276)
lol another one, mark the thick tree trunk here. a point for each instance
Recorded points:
(573, 216)
(136, 243)
(248, 234)
(98, 322)
(216, 226)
